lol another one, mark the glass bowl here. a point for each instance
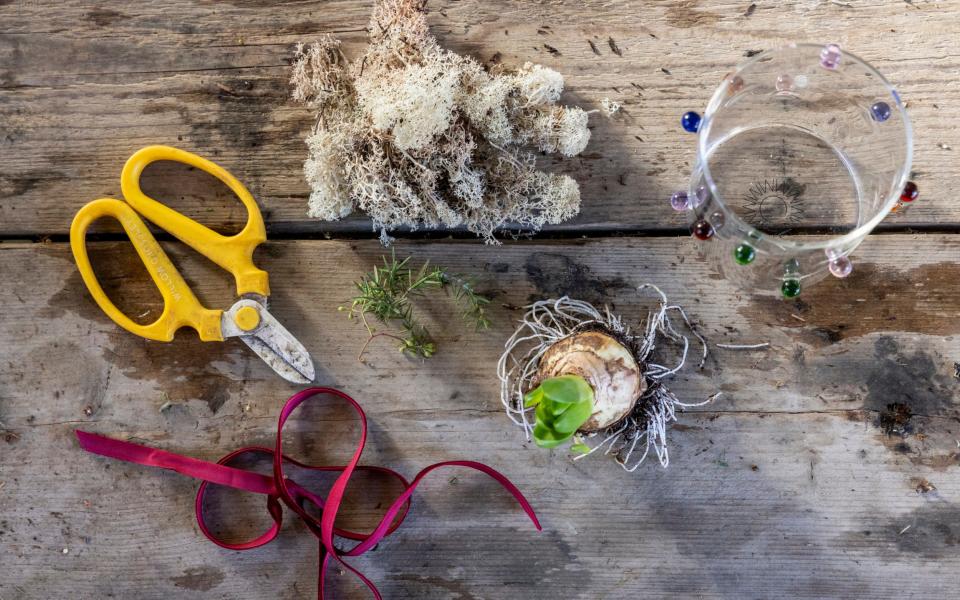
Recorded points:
(802, 151)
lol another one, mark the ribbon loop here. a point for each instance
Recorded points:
(282, 490)
(273, 507)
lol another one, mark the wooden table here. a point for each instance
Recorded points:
(788, 486)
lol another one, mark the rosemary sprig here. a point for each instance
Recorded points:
(387, 293)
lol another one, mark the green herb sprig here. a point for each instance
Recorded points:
(563, 404)
(387, 293)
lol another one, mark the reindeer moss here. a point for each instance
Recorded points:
(417, 136)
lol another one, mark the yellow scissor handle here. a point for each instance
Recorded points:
(180, 307)
(233, 253)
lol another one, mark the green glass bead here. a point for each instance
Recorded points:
(744, 254)
(790, 288)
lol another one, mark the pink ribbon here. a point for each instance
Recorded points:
(279, 487)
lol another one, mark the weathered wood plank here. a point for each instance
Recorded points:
(787, 486)
(83, 86)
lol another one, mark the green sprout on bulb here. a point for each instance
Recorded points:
(563, 404)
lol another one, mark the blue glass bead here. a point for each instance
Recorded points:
(690, 121)
(680, 201)
(880, 111)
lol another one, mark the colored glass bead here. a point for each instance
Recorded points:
(702, 195)
(910, 192)
(792, 267)
(840, 267)
(717, 219)
(880, 111)
(830, 57)
(702, 230)
(680, 201)
(735, 84)
(790, 288)
(784, 83)
(744, 254)
(800, 81)
(690, 121)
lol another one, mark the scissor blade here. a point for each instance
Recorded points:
(292, 363)
(273, 343)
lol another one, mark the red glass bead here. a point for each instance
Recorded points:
(702, 230)
(910, 192)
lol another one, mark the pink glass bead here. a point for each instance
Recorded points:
(784, 83)
(840, 267)
(735, 84)
(830, 57)
(702, 195)
(680, 201)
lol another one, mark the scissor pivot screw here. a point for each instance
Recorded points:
(247, 318)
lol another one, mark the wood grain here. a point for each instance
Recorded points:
(786, 486)
(83, 85)
(796, 483)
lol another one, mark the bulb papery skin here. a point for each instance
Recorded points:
(607, 365)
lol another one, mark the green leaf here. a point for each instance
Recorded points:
(567, 389)
(556, 408)
(545, 438)
(580, 448)
(545, 415)
(533, 397)
(574, 417)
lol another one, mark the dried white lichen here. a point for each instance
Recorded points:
(609, 107)
(417, 136)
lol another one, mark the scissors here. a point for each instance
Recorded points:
(247, 319)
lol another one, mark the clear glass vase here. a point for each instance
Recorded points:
(802, 152)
